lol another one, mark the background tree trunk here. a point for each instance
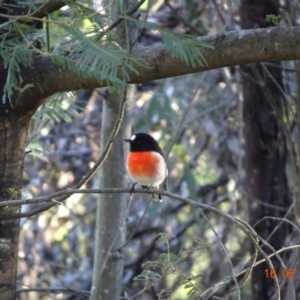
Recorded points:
(112, 209)
(265, 148)
(13, 134)
(14, 123)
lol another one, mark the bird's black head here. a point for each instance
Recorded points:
(143, 142)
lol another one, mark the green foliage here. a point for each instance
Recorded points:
(273, 19)
(12, 193)
(184, 47)
(15, 55)
(37, 151)
(88, 56)
(81, 43)
(170, 264)
(60, 107)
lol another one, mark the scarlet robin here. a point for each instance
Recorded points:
(146, 164)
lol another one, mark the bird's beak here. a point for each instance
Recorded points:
(127, 140)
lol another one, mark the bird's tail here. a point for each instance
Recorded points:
(156, 197)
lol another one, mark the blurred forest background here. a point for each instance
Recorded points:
(174, 250)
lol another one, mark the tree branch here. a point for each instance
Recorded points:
(48, 8)
(155, 62)
(26, 14)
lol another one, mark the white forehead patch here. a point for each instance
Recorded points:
(133, 137)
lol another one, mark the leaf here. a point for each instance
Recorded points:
(89, 56)
(165, 258)
(182, 46)
(14, 55)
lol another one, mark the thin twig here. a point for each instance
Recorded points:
(121, 19)
(226, 253)
(183, 118)
(137, 226)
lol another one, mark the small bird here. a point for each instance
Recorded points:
(146, 164)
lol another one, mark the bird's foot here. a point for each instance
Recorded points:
(147, 187)
(132, 188)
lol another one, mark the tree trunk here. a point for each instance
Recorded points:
(112, 209)
(265, 147)
(13, 134)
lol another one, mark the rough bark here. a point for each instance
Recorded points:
(155, 62)
(14, 122)
(265, 147)
(13, 133)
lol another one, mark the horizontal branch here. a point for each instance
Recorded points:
(68, 192)
(47, 8)
(156, 62)
(26, 14)
(65, 290)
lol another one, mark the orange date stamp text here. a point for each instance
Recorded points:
(285, 273)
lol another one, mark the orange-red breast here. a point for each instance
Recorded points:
(145, 163)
